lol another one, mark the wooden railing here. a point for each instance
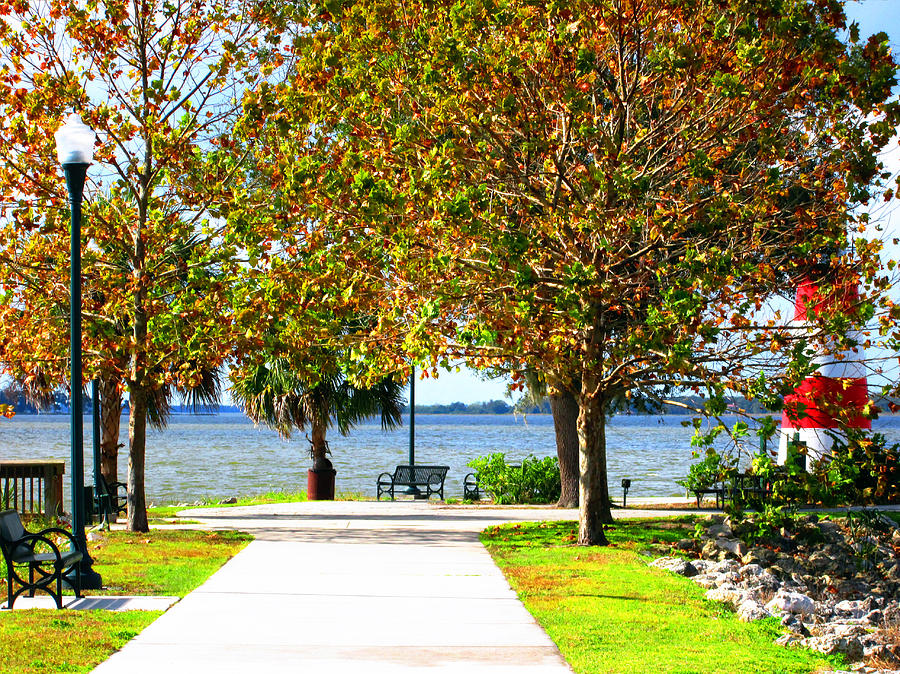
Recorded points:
(32, 486)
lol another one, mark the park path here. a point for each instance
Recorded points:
(351, 587)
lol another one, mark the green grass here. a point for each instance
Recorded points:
(171, 511)
(168, 512)
(65, 641)
(609, 612)
(891, 514)
(162, 562)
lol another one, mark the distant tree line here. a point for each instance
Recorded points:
(678, 405)
(489, 407)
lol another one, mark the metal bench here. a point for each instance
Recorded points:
(748, 488)
(471, 490)
(111, 501)
(717, 490)
(429, 478)
(48, 566)
(739, 488)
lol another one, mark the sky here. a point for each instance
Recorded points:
(466, 386)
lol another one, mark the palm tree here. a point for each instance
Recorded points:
(201, 395)
(274, 393)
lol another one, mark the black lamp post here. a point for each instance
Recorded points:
(75, 149)
(412, 417)
(412, 489)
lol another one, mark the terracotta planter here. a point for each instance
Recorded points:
(320, 484)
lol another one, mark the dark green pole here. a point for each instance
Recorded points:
(412, 489)
(75, 175)
(100, 496)
(412, 417)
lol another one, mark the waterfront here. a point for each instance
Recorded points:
(218, 456)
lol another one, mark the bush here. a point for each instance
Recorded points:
(535, 481)
(713, 468)
(861, 470)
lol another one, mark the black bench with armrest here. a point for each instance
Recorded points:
(112, 499)
(471, 489)
(746, 487)
(718, 490)
(48, 565)
(428, 478)
(740, 487)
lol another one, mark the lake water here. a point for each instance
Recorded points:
(215, 457)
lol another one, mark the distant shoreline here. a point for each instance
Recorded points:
(427, 412)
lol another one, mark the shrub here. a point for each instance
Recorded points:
(768, 523)
(864, 469)
(713, 468)
(861, 470)
(534, 481)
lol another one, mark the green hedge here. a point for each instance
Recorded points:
(534, 481)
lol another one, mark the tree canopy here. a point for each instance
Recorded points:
(611, 192)
(161, 83)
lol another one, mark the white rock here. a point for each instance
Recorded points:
(663, 562)
(754, 570)
(732, 545)
(751, 610)
(708, 580)
(676, 565)
(875, 617)
(727, 593)
(719, 530)
(791, 602)
(846, 630)
(725, 566)
(766, 581)
(702, 565)
(849, 606)
(831, 644)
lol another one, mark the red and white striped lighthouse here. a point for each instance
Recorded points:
(837, 389)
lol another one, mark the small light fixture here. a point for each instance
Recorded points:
(75, 141)
(626, 485)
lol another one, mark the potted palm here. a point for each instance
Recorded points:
(274, 393)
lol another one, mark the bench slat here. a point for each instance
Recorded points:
(429, 477)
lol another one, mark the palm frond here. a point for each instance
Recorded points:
(273, 394)
(159, 407)
(204, 395)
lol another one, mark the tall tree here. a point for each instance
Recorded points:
(609, 191)
(287, 396)
(161, 83)
(564, 405)
(564, 408)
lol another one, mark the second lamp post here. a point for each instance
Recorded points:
(75, 150)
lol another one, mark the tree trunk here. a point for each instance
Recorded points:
(137, 441)
(110, 417)
(319, 448)
(564, 406)
(594, 506)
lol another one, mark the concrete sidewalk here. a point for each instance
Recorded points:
(351, 587)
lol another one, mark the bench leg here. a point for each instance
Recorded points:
(58, 595)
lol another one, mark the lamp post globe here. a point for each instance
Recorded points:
(75, 141)
(75, 151)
